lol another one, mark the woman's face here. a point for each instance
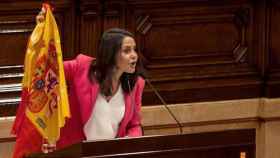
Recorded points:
(127, 57)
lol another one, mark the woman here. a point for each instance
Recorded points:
(104, 96)
(104, 93)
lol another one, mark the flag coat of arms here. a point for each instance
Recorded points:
(44, 99)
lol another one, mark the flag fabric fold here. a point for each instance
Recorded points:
(44, 103)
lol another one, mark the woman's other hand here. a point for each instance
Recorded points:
(47, 148)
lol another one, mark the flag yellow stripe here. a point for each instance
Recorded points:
(48, 105)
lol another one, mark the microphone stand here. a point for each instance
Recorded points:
(166, 106)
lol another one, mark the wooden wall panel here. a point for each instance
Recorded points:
(179, 39)
(275, 34)
(14, 33)
(191, 47)
(273, 49)
(89, 25)
(114, 14)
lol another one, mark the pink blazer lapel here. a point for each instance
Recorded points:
(127, 114)
(128, 104)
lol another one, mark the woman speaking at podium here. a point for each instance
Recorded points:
(104, 93)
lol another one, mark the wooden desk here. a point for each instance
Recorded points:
(226, 144)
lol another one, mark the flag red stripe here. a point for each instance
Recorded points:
(28, 139)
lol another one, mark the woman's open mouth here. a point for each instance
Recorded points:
(132, 64)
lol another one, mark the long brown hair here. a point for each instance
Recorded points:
(101, 69)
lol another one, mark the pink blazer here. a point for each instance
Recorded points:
(82, 97)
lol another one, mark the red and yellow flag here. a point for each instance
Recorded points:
(44, 96)
(44, 79)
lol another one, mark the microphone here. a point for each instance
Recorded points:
(165, 105)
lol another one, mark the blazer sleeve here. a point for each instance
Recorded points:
(70, 69)
(134, 128)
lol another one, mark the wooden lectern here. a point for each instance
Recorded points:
(223, 144)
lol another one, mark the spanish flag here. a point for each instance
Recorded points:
(44, 103)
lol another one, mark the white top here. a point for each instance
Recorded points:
(105, 117)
